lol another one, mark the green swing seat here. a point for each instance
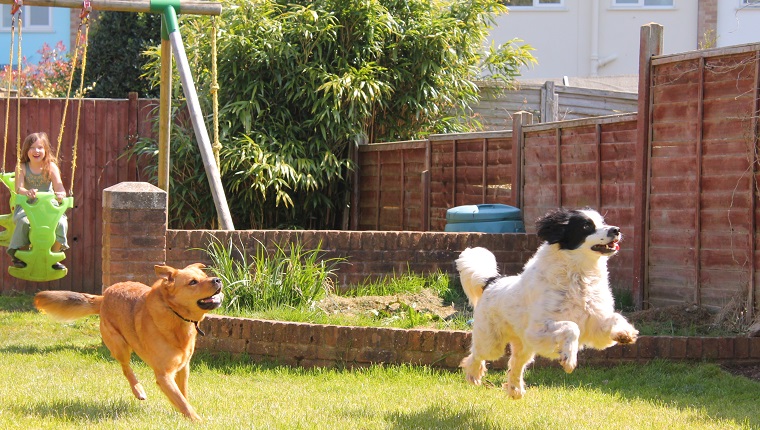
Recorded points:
(43, 217)
(6, 220)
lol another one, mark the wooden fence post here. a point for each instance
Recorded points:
(353, 153)
(518, 120)
(549, 103)
(650, 45)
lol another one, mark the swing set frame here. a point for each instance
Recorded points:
(171, 48)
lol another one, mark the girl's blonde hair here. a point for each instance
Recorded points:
(49, 156)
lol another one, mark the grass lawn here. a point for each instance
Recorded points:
(60, 376)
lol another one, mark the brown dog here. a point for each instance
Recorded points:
(159, 323)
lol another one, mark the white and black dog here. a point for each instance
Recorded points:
(560, 302)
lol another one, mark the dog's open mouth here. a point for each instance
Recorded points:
(609, 248)
(212, 302)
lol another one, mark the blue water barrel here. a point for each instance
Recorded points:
(485, 218)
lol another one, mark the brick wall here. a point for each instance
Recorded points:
(310, 345)
(136, 237)
(368, 254)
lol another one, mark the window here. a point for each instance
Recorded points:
(643, 3)
(751, 3)
(34, 18)
(534, 3)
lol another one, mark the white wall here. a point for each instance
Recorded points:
(563, 38)
(737, 24)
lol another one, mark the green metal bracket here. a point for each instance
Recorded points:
(169, 9)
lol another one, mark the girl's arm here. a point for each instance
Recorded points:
(20, 181)
(55, 178)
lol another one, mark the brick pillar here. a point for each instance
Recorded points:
(707, 24)
(134, 232)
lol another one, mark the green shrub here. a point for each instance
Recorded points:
(291, 278)
(301, 81)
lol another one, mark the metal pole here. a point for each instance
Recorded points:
(204, 143)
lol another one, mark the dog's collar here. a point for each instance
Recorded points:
(195, 323)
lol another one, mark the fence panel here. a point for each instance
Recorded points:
(106, 128)
(701, 197)
(583, 163)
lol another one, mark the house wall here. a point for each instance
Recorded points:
(737, 23)
(563, 38)
(32, 40)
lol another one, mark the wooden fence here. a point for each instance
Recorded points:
(680, 177)
(410, 185)
(582, 163)
(548, 102)
(701, 236)
(106, 128)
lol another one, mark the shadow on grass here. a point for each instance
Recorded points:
(438, 417)
(20, 303)
(79, 411)
(98, 351)
(681, 385)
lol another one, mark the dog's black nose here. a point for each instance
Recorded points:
(217, 281)
(613, 231)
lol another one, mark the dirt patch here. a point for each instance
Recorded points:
(673, 320)
(747, 371)
(424, 302)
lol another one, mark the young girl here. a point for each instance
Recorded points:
(37, 171)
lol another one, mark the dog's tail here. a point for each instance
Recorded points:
(476, 266)
(67, 305)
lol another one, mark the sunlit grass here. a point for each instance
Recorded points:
(60, 376)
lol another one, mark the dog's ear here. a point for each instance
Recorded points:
(165, 272)
(198, 265)
(552, 226)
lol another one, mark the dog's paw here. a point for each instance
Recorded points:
(568, 361)
(474, 380)
(626, 337)
(139, 391)
(515, 392)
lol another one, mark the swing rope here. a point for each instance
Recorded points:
(83, 22)
(18, 8)
(217, 146)
(10, 81)
(80, 97)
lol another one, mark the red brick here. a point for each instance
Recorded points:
(694, 347)
(630, 351)
(615, 351)
(663, 347)
(149, 218)
(726, 347)
(677, 347)
(647, 347)
(327, 353)
(421, 340)
(710, 348)
(754, 347)
(741, 347)
(329, 336)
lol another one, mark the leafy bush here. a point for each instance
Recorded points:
(291, 278)
(48, 78)
(115, 60)
(301, 81)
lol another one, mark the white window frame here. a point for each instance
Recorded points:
(640, 4)
(26, 22)
(538, 5)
